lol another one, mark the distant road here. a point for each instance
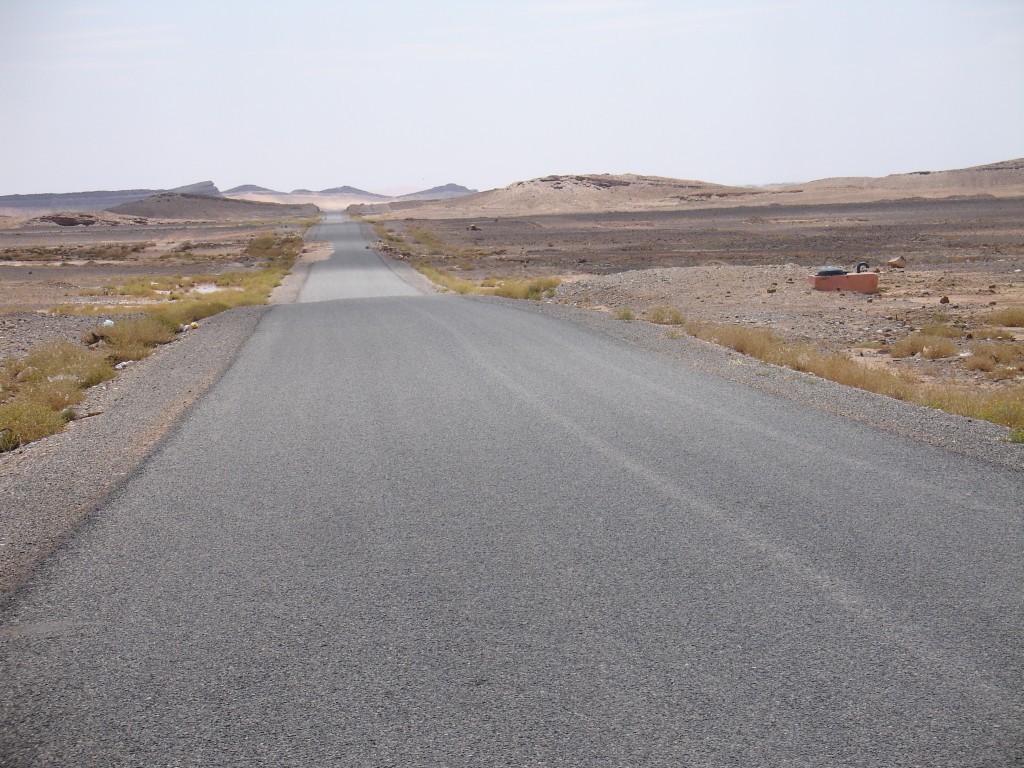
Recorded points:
(410, 530)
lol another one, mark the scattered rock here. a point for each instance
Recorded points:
(898, 263)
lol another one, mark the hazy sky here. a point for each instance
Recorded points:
(393, 94)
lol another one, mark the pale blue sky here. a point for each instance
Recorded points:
(394, 94)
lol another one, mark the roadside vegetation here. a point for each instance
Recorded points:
(1004, 406)
(38, 391)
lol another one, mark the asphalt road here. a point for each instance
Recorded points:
(410, 530)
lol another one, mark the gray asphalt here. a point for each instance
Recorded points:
(419, 530)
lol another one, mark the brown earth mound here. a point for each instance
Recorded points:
(201, 208)
(602, 193)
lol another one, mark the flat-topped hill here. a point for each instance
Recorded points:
(171, 205)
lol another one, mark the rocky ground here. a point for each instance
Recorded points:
(46, 266)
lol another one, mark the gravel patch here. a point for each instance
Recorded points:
(20, 332)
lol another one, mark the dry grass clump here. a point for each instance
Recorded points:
(445, 279)
(58, 359)
(988, 333)
(1000, 361)
(662, 315)
(1011, 317)
(765, 345)
(22, 421)
(539, 288)
(134, 338)
(943, 330)
(625, 314)
(37, 391)
(1005, 406)
(931, 347)
(535, 290)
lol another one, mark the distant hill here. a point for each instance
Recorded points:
(350, 191)
(331, 199)
(40, 204)
(249, 188)
(340, 198)
(170, 205)
(444, 192)
(630, 192)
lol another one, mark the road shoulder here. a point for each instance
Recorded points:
(970, 437)
(50, 487)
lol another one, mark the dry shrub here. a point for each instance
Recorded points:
(978, 362)
(542, 287)
(990, 333)
(1005, 406)
(1012, 317)
(55, 394)
(626, 314)
(22, 421)
(444, 278)
(932, 347)
(1006, 354)
(61, 358)
(134, 339)
(944, 330)
(662, 315)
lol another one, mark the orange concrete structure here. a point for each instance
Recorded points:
(857, 282)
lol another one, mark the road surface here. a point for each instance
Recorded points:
(409, 530)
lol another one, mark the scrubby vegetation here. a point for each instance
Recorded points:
(38, 391)
(1004, 406)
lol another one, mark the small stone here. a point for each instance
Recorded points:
(944, 300)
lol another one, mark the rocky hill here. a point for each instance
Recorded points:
(46, 203)
(170, 205)
(244, 188)
(444, 192)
